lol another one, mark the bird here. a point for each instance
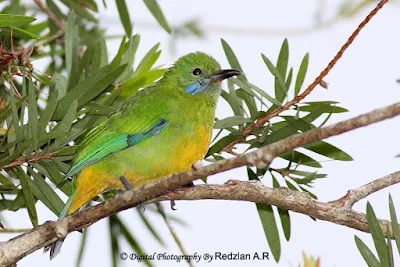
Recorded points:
(162, 129)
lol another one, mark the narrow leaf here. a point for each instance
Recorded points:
(8, 20)
(377, 236)
(157, 13)
(270, 229)
(28, 196)
(301, 75)
(367, 254)
(232, 59)
(329, 151)
(394, 222)
(231, 121)
(124, 16)
(281, 67)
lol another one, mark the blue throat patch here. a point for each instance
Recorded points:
(198, 87)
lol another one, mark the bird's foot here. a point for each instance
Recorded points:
(197, 165)
(128, 186)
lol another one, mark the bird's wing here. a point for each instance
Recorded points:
(113, 135)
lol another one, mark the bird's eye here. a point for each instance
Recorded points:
(196, 71)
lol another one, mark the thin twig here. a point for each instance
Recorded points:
(58, 23)
(173, 233)
(23, 160)
(15, 249)
(260, 123)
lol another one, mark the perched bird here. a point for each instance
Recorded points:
(160, 130)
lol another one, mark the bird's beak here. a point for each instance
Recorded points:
(224, 74)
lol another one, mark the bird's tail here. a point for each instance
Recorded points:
(56, 246)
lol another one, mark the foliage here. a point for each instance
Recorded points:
(383, 245)
(44, 114)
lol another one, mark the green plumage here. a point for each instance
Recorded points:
(160, 130)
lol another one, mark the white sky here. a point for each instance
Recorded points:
(363, 80)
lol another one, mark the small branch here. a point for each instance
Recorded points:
(58, 23)
(15, 249)
(54, 37)
(260, 123)
(172, 232)
(14, 231)
(23, 160)
(355, 195)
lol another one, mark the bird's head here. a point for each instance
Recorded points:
(199, 73)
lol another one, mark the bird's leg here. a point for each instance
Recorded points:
(125, 183)
(128, 186)
(195, 166)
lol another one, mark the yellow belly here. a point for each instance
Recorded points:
(97, 178)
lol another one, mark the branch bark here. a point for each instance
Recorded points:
(15, 249)
(338, 211)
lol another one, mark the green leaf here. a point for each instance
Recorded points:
(157, 13)
(97, 82)
(233, 102)
(289, 78)
(18, 33)
(281, 67)
(129, 58)
(8, 20)
(300, 158)
(280, 89)
(45, 193)
(114, 234)
(389, 248)
(132, 241)
(121, 50)
(124, 16)
(231, 121)
(82, 247)
(250, 102)
(71, 50)
(377, 236)
(394, 222)
(150, 227)
(232, 59)
(74, 6)
(33, 114)
(221, 143)
(301, 75)
(270, 229)
(283, 214)
(28, 196)
(367, 254)
(101, 85)
(48, 112)
(65, 124)
(329, 151)
(148, 60)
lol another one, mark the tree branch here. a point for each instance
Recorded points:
(338, 211)
(15, 249)
(53, 18)
(261, 122)
(23, 160)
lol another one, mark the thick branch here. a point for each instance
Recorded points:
(261, 122)
(20, 246)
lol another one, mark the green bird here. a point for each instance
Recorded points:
(160, 130)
